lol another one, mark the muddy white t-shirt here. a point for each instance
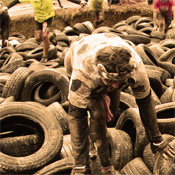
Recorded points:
(80, 63)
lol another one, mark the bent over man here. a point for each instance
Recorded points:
(44, 13)
(99, 65)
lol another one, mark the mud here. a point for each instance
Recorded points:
(68, 17)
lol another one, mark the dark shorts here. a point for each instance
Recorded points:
(97, 13)
(39, 26)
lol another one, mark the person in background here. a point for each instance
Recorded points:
(97, 12)
(44, 14)
(4, 25)
(99, 65)
(163, 15)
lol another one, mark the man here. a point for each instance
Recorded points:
(99, 65)
(44, 13)
(97, 12)
(4, 25)
(164, 12)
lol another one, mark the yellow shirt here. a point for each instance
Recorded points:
(43, 9)
(96, 5)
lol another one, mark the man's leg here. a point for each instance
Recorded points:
(5, 26)
(78, 126)
(98, 132)
(161, 23)
(46, 42)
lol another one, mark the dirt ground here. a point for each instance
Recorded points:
(68, 16)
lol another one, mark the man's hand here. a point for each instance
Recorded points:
(164, 148)
(3, 9)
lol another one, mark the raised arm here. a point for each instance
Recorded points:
(14, 2)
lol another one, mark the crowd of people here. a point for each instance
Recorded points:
(98, 66)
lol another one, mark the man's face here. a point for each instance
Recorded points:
(110, 83)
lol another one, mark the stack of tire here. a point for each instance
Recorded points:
(35, 136)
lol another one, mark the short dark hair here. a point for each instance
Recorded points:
(113, 56)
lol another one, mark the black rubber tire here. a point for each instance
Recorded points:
(21, 146)
(149, 157)
(165, 118)
(14, 85)
(168, 56)
(63, 166)
(136, 167)
(137, 39)
(148, 57)
(130, 122)
(45, 75)
(120, 147)
(163, 166)
(26, 46)
(61, 115)
(53, 137)
(132, 19)
(41, 92)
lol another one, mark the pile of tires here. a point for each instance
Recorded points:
(34, 136)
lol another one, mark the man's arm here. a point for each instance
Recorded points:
(155, 19)
(12, 3)
(173, 22)
(59, 2)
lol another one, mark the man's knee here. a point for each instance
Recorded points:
(38, 35)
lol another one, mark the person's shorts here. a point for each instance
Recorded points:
(39, 26)
(97, 13)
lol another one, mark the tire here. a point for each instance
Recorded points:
(63, 166)
(168, 56)
(22, 145)
(12, 63)
(148, 57)
(43, 96)
(165, 118)
(14, 85)
(21, 112)
(157, 49)
(130, 122)
(61, 115)
(149, 157)
(132, 19)
(163, 166)
(121, 148)
(22, 47)
(136, 167)
(41, 76)
(137, 39)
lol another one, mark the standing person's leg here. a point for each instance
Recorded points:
(161, 21)
(78, 126)
(98, 132)
(5, 27)
(45, 37)
(168, 21)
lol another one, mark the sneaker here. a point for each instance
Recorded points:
(81, 170)
(44, 60)
(109, 170)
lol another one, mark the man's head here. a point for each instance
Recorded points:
(116, 61)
